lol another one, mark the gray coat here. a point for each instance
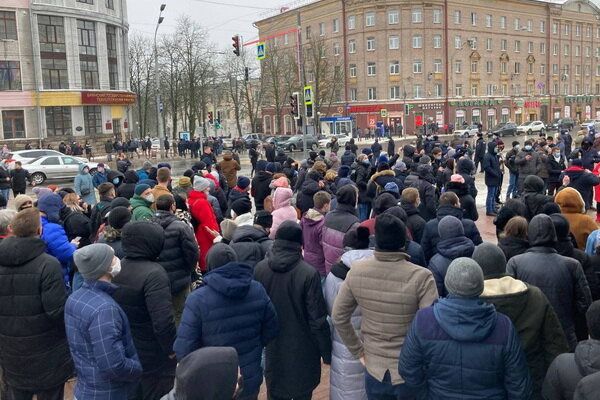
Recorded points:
(588, 388)
(346, 380)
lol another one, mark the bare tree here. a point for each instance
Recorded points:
(140, 73)
(171, 78)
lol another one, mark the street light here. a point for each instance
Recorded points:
(159, 126)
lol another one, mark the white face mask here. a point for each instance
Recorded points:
(149, 198)
(115, 268)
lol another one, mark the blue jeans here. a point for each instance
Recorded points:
(363, 211)
(511, 192)
(5, 193)
(490, 200)
(385, 390)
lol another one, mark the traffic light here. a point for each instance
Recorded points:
(236, 45)
(309, 111)
(246, 74)
(210, 117)
(294, 104)
(407, 108)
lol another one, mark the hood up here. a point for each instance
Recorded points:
(131, 177)
(231, 280)
(282, 197)
(587, 356)
(312, 217)
(570, 201)
(456, 247)
(18, 251)
(142, 240)
(284, 255)
(248, 233)
(465, 320)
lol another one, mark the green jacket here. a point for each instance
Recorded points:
(141, 209)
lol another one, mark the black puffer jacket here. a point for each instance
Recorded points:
(260, 188)
(513, 246)
(533, 196)
(34, 352)
(307, 191)
(424, 184)
(415, 223)
(145, 296)
(127, 188)
(251, 244)
(180, 252)
(467, 202)
(560, 278)
(293, 359)
(76, 224)
(465, 168)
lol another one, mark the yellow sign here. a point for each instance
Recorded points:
(384, 113)
(308, 97)
(261, 52)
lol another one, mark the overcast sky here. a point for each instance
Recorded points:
(222, 18)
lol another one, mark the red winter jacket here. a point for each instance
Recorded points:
(204, 216)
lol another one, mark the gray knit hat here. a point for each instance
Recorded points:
(491, 259)
(201, 184)
(94, 260)
(219, 255)
(464, 278)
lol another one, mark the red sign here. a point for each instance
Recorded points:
(366, 109)
(108, 98)
(532, 104)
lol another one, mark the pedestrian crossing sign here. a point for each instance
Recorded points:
(261, 51)
(308, 98)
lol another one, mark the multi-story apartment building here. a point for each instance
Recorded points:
(63, 70)
(451, 61)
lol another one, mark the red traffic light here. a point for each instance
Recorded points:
(236, 45)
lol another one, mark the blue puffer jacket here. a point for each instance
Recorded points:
(463, 349)
(84, 186)
(232, 310)
(448, 250)
(58, 245)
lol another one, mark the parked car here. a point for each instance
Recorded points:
(341, 138)
(504, 129)
(227, 142)
(561, 123)
(252, 139)
(587, 124)
(467, 132)
(27, 155)
(296, 143)
(532, 127)
(56, 167)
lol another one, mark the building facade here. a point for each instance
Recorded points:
(452, 61)
(63, 71)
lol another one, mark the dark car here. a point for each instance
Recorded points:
(252, 139)
(296, 143)
(504, 129)
(561, 123)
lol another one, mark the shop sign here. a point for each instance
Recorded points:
(588, 112)
(579, 99)
(532, 104)
(112, 98)
(491, 112)
(476, 112)
(439, 118)
(431, 106)
(597, 114)
(475, 103)
(505, 111)
(460, 113)
(366, 109)
(567, 111)
(519, 111)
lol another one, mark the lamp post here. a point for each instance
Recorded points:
(159, 126)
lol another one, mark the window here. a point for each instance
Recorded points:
(417, 67)
(577, 30)
(578, 70)
(394, 92)
(417, 42)
(503, 44)
(530, 68)
(352, 46)
(308, 32)
(542, 26)
(437, 90)
(336, 49)
(566, 50)
(111, 44)
(517, 24)
(437, 41)
(588, 31)
(110, 4)
(488, 44)
(458, 92)
(393, 17)
(395, 68)
(503, 67)
(503, 22)
(86, 1)
(89, 74)
(555, 49)
(542, 69)
(417, 91)
(474, 65)
(353, 94)
(588, 51)
(53, 52)
(437, 66)
(54, 74)
(555, 28)
(8, 25)
(517, 46)
(352, 70)
(598, 70)
(488, 21)
(457, 42)
(587, 70)
(13, 124)
(92, 116)
(555, 89)
(566, 89)
(517, 67)
(567, 30)
(88, 62)
(489, 89)
(370, 19)
(474, 90)
(554, 69)
(473, 19)
(457, 17)
(529, 25)
(530, 47)
(371, 69)
(51, 161)
(504, 91)
(473, 42)
(58, 121)
(370, 44)
(322, 29)
(394, 42)
(286, 39)
(10, 75)
(458, 66)
(489, 67)
(336, 25)
(372, 93)
(543, 48)
(437, 16)
(351, 22)
(417, 15)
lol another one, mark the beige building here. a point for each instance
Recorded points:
(450, 61)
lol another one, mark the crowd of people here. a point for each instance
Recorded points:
(146, 285)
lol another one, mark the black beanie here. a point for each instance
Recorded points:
(290, 231)
(593, 320)
(390, 233)
(120, 202)
(118, 217)
(241, 206)
(347, 195)
(561, 226)
(263, 218)
(357, 239)
(384, 202)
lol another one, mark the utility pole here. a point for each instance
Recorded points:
(159, 125)
(302, 83)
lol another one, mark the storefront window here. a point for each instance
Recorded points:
(505, 115)
(476, 116)
(460, 118)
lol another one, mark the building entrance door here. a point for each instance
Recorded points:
(116, 123)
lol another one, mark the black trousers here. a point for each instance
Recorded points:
(56, 393)
(154, 386)
(303, 397)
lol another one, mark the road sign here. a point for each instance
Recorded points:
(384, 113)
(261, 52)
(308, 96)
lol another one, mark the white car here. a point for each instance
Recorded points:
(532, 127)
(341, 138)
(56, 167)
(589, 123)
(28, 155)
(467, 132)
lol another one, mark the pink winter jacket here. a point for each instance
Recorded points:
(282, 210)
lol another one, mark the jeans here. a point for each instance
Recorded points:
(363, 211)
(512, 186)
(385, 390)
(490, 200)
(5, 193)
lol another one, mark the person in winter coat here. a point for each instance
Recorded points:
(513, 240)
(107, 194)
(106, 361)
(204, 217)
(452, 245)
(282, 210)
(337, 223)
(33, 345)
(84, 185)
(100, 176)
(127, 188)
(117, 219)
(528, 163)
(361, 173)
(179, 255)
(347, 373)
(391, 147)
(513, 170)
(457, 185)
(493, 176)
(556, 166)
(293, 359)
(141, 202)
(143, 293)
(568, 369)
(572, 207)
(260, 185)
(19, 178)
(312, 184)
(449, 205)
(74, 220)
(480, 146)
(588, 387)
(229, 168)
(480, 357)
(427, 192)
(240, 190)
(312, 232)
(582, 180)
(560, 278)
(533, 196)
(230, 310)
(378, 181)
(348, 157)
(589, 154)
(389, 290)
(409, 201)
(466, 169)
(535, 321)
(251, 243)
